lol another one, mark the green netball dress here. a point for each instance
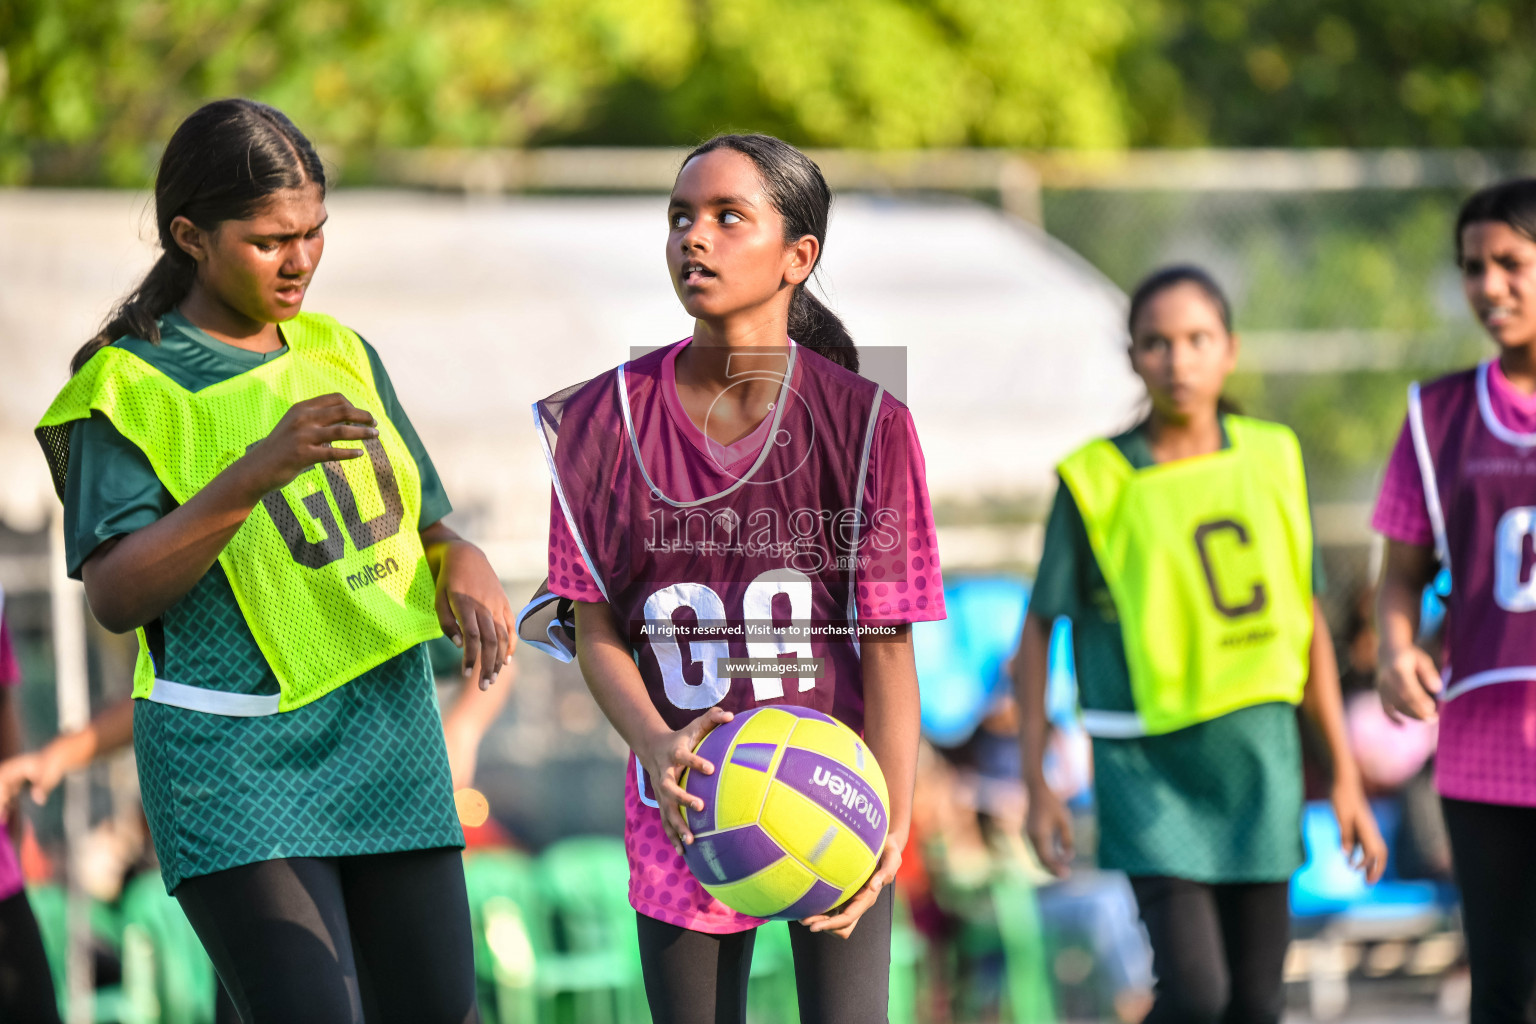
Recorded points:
(1219, 801)
(362, 769)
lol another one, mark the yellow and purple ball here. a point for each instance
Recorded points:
(794, 815)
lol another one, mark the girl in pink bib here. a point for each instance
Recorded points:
(747, 473)
(1460, 494)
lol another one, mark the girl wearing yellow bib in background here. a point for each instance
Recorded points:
(1182, 553)
(242, 488)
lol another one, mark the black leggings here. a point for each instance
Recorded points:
(332, 940)
(1218, 950)
(1493, 847)
(26, 986)
(697, 978)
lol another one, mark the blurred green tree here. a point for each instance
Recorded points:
(1332, 73)
(90, 88)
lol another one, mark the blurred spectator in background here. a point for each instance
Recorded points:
(26, 986)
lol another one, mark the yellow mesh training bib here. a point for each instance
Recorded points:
(1209, 562)
(329, 572)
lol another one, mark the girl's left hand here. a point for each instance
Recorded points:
(474, 612)
(847, 917)
(1358, 833)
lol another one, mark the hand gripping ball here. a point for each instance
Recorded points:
(794, 816)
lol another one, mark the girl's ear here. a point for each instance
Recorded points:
(802, 260)
(191, 238)
(1237, 348)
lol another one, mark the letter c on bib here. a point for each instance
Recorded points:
(1257, 598)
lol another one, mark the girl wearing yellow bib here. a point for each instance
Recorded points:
(242, 488)
(1182, 553)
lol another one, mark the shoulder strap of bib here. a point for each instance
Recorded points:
(94, 387)
(1096, 474)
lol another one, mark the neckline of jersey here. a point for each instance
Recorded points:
(178, 321)
(1136, 448)
(1490, 378)
(727, 458)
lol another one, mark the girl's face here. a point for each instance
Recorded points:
(725, 241)
(261, 267)
(1182, 352)
(1498, 274)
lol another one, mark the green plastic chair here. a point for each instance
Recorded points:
(49, 907)
(514, 962)
(586, 881)
(1030, 998)
(510, 923)
(906, 959)
(167, 977)
(771, 995)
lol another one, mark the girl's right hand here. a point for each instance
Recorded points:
(37, 769)
(303, 437)
(1408, 683)
(1049, 825)
(666, 760)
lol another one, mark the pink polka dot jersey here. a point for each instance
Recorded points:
(1487, 735)
(679, 528)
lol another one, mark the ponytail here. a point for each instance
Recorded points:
(222, 163)
(817, 328)
(138, 315)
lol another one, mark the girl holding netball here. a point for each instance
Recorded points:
(242, 488)
(1460, 494)
(1182, 552)
(747, 473)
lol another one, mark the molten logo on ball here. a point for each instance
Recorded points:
(853, 799)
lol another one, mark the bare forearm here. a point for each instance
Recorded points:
(893, 720)
(133, 580)
(10, 725)
(110, 730)
(1031, 669)
(10, 746)
(1399, 599)
(1406, 677)
(435, 540)
(475, 709)
(1406, 570)
(611, 675)
(1322, 701)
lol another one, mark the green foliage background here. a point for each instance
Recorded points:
(91, 86)
(90, 89)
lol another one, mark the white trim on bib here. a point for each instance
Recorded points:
(215, 702)
(1427, 474)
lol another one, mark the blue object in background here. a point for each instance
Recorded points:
(1327, 886)
(961, 659)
